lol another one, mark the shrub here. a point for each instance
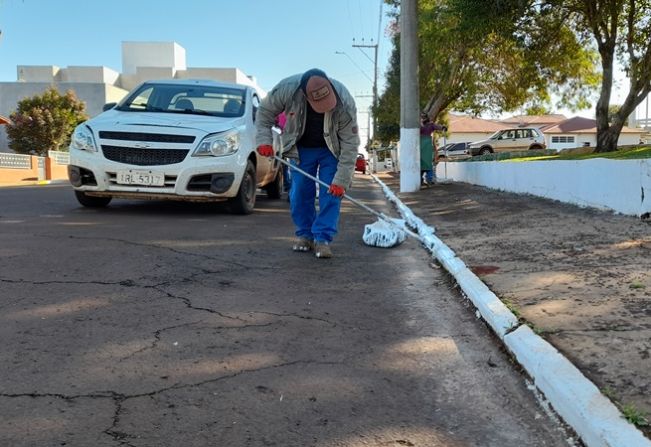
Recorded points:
(45, 122)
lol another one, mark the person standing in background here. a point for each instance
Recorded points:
(427, 128)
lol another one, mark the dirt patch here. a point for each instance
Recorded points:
(579, 276)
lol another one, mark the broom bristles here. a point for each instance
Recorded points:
(383, 234)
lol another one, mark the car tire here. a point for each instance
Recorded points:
(275, 188)
(535, 147)
(91, 201)
(485, 151)
(244, 201)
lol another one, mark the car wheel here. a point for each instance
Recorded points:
(275, 188)
(244, 201)
(485, 151)
(535, 147)
(91, 201)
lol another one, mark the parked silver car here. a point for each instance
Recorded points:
(509, 140)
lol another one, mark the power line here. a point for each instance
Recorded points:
(355, 64)
(375, 98)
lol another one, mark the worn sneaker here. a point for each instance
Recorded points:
(303, 244)
(322, 250)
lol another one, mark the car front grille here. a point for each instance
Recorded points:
(150, 137)
(144, 156)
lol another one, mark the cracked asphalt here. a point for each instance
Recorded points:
(172, 324)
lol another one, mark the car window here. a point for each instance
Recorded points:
(186, 98)
(141, 99)
(255, 102)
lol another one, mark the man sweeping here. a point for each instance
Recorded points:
(320, 136)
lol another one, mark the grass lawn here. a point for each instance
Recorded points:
(624, 154)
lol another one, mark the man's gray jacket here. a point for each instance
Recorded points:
(340, 129)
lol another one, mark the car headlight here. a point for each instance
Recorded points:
(82, 139)
(218, 145)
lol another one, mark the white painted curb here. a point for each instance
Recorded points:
(576, 399)
(496, 314)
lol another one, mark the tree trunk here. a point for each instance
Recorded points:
(607, 139)
(436, 105)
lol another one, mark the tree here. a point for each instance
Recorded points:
(621, 30)
(613, 110)
(537, 109)
(477, 56)
(45, 122)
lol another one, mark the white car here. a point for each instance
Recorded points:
(454, 151)
(174, 139)
(507, 140)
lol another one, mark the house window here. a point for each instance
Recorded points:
(562, 139)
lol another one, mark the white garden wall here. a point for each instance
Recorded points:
(623, 186)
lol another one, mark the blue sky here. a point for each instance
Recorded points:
(267, 39)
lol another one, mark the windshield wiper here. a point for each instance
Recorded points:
(135, 107)
(192, 111)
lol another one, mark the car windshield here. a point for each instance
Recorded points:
(496, 135)
(186, 98)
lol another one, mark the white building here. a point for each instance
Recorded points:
(641, 117)
(96, 86)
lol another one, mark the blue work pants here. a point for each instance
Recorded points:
(319, 226)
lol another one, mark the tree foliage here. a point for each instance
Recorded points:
(45, 122)
(478, 55)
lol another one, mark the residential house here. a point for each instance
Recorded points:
(579, 131)
(537, 121)
(464, 128)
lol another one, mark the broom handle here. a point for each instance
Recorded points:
(355, 201)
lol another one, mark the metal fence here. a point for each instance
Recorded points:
(60, 158)
(15, 161)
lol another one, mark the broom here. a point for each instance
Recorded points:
(387, 232)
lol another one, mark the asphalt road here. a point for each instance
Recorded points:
(171, 324)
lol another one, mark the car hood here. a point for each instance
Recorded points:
(480, 142)
(202, 123)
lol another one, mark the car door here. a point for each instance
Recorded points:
(506, 141)
(524, 139)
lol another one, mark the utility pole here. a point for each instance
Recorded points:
(375, 48)
(368, 125)
(409, 149)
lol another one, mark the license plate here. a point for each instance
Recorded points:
(144, 178)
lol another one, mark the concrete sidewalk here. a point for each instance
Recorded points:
(578, 277)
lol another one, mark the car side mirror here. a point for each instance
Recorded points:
(109, 106)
